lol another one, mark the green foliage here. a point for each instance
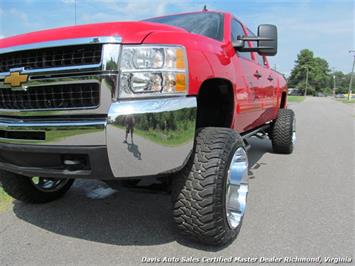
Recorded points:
(168, 128)
(184, 133)
(319, 77)
(342, 82)
(166, 121)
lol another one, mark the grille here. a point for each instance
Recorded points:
(51, 97)
(52, 57)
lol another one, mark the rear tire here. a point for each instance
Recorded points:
(283, 132)
(202, 192)
(28, 190)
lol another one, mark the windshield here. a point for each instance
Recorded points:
(206, 24)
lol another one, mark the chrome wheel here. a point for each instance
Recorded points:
(237, 188)
(49, 184)
(294, 131)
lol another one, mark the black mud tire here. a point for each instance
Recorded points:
(21, 188)
(282, 132)
(198, 191)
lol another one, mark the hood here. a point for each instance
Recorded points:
(130, 32)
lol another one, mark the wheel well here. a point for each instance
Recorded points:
(283, 100)
(215, 103)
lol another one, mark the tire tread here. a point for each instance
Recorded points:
(281, 134)
(198, 191)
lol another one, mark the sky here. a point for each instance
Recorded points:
(327, 27)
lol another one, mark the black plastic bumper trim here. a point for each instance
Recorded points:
(99, 167)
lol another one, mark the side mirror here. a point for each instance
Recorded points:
(266, 41)
(267, 45)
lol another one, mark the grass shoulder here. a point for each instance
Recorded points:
(347, 101)
(167, 138)
(296, 99)
(5, 200)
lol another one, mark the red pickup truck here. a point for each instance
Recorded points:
(175, 96)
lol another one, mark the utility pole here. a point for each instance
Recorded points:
(305, 91)
(334, 83)
(351, 77)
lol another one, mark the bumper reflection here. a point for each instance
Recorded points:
(161, 133)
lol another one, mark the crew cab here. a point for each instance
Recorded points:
(175, 96)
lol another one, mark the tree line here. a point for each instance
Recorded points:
(165, 121)
(320, 77)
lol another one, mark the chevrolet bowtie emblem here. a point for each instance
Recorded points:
(16, 79)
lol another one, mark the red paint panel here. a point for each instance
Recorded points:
(256, 99)
(131, 32)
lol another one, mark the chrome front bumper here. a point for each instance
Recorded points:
(163, 136)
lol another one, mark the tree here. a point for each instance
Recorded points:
(318, 73)
(342, 82)
(298, 73)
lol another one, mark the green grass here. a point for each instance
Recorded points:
(5, 200)
(167, 139)
(296, 99)
(347, 101)
(57, 135)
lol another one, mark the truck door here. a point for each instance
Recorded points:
(273, 91)
(264, 91)
(267, 93)
(246, 84)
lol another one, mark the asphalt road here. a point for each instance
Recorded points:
(299, 205)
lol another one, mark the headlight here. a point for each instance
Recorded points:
(148, 70)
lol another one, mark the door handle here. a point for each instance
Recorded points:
(257, 74)
(270, 78)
